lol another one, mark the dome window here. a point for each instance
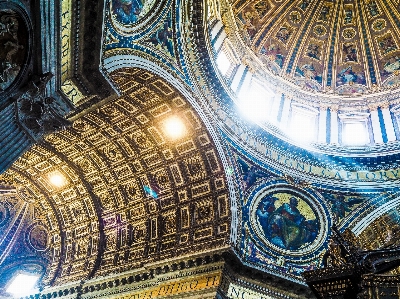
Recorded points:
(354, 129)
(22, 284)
(303, 122)
(223, 63)
(255, 101)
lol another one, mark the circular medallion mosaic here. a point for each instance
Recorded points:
(379, 25)
(288, 220)
(319, 30)
(349, 33)
(38, 237)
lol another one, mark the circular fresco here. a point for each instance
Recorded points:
(13, 47)
(128, 12)
(38, 237)
(288, 220)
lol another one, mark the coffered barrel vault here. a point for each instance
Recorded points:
(132, 193)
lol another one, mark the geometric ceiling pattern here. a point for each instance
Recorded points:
(342, 47)
(131, 192)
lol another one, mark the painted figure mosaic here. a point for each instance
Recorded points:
(287, 221)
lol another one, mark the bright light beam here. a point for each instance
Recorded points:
(22, 285)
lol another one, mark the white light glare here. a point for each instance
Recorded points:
(223, 63)
(174, 128)
(354, 134)
(22, 285)
(302, 127)
(57, 179)
(255, 102)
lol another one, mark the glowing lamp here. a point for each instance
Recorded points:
(22, 284)
(57, 179)
(174, 128)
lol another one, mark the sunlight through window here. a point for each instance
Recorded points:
(302, 125)
(22, 285)
(255, 102)
(223, 63)
(354, 133)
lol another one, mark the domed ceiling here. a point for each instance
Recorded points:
(342, 47)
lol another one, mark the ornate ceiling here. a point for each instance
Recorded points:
(342, 47)
(131, 195)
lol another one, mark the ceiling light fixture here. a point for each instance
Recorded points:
(174, 128)
(57, 179)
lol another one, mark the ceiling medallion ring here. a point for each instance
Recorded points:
(288, 220)
(38, 237)
(130, 17)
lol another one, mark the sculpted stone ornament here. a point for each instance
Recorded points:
(349, 271)
(13, 47)
(36, 113)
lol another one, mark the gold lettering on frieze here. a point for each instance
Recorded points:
(336, 174)
(181, 286)
(72, 92)
(66, 24)
(236, 291)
